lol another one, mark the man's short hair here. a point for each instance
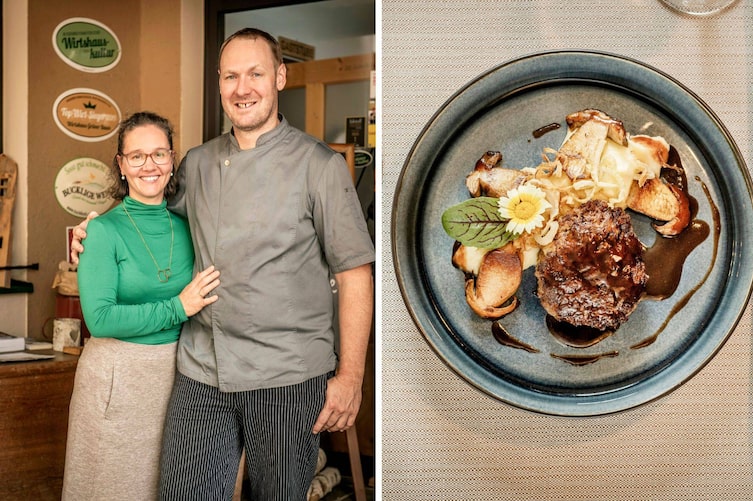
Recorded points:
(254, 34)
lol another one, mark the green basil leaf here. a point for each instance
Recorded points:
(476, 222)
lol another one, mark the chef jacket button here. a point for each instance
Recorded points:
(227, 162)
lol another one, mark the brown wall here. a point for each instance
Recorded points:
(147, 77)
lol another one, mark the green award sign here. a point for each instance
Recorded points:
(86, 45)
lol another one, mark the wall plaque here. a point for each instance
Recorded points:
(86, 114)
(86, 44)
(83, 185)
(363, 158)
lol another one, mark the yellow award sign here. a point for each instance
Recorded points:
(86, 114)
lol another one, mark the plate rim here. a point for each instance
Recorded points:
(592, 404)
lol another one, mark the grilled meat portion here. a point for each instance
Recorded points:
(594, 275)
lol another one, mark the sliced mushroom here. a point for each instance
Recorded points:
(468, 259)
(663, 201)
(615, 128)
(649, 149)
(491, 294)
(589, 130)
(490, 179)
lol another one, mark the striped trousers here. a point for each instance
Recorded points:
(206, 430)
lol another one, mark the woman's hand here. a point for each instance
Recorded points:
(195, 295)
(79, 233)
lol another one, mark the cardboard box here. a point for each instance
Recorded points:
(295, 51)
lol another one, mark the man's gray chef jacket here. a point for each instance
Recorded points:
(274, 220)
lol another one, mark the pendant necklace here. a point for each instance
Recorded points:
(163, 274)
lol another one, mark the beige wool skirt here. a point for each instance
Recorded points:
(115, 422)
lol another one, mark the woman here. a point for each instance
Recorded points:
(136, 291)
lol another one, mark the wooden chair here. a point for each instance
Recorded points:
(354, 455)
(351, 434)
(348, 150)
(239, 479)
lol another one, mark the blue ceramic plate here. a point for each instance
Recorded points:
(499, 111)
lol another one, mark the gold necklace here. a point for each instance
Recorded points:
(163, 274)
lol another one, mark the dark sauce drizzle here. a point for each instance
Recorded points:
(543, 130)
(505, 338)
(695, 235)
(576, 337)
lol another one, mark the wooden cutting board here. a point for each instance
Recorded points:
(8, 174)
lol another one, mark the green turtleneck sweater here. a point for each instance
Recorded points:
(121, 294)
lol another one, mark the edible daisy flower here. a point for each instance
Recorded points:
(523, 207)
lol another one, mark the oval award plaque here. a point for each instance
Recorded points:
(86, 114)
(83, 185)
(86, 44)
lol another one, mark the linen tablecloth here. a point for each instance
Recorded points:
(441, 439)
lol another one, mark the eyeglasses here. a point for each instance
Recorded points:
(138, 158)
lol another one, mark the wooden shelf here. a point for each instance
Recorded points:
(315, 75)
(34, 426)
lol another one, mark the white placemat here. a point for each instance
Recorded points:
(443, 440)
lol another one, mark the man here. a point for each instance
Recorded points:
(275, 211)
